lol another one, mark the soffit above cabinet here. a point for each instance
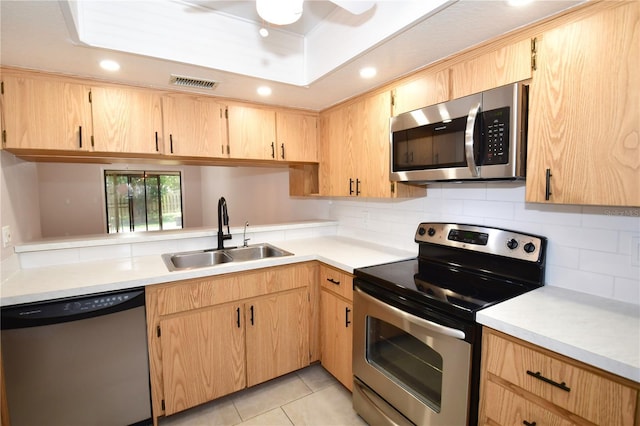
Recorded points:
(311, 64)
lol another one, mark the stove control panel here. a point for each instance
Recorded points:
(497, 241)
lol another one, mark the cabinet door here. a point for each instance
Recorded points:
(509, 64)
(45, 113)
(202, 356)
(336, 336)
(252, 133)
(126, 120)
(296, 137)
(337, 156)
(429, 89)
(584, 109)
(372, 146)
(193, 126)
(277, 335)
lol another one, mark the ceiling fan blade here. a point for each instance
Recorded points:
(356, 7)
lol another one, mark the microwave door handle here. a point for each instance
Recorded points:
(405, 316)
(468, 140)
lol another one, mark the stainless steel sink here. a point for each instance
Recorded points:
(205, 258)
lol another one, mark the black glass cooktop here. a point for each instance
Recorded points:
(447, 288)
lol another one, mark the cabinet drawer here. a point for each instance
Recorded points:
(337, 282)
(565, 384)
(507, 408)
(202, 292)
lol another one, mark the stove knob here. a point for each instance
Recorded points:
(512, 244)
(431, 232)
(529, 247)
(421, 231)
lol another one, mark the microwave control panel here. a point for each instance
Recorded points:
(495, 130)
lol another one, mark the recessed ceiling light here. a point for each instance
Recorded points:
(264, 32)
(368, 72)
(109, 65)
(264, 91)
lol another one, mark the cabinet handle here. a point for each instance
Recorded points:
(171, 142)
(526, 423)
(157, 142)
(80, 135)
(547, 190)
(346, 317)
(332, 281)
(251, 309)
(539, 376)
(273, 150)
(350, 186)
(282, 153)
(238, 317)
(357, 186)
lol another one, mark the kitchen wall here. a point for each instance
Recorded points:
(19, 203)
(591, 249)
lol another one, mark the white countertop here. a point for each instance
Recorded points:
(597, 331)
(75, 279)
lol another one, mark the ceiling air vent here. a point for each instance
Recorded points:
(195, 83)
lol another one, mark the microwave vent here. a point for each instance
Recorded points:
(194, 83)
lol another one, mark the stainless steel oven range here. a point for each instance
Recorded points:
(416, 344)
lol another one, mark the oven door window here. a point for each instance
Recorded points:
(406, 361)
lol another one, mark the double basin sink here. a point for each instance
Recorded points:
(205, 258)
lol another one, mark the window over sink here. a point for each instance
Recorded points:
(142, 201)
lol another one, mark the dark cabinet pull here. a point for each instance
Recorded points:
(282, 153)
(238, 317)
(357, 186)
(346, 317)
(332, 281)
(547, 189)
(273, 150)
(157, 142)
(80, 135)
(526, 423)
(539, 376)
(350, 186)
(171, 142)
(251, 309)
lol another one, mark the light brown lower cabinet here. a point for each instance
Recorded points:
(522, 384)
(212, 336)
(336, 324)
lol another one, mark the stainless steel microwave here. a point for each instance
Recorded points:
(477, 137)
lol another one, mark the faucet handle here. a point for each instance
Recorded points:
(244, 235)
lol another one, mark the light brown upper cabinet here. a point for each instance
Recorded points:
(355, 150)
(45, 113)
(252, 132)
(496, 68)
(193, 126)
(296, 137)
(584, 119)
(429, 88)
(126, 120)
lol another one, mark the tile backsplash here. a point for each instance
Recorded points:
(591, 249)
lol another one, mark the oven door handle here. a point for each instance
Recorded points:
(405, 316)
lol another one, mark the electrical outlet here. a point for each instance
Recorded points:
(6, 235)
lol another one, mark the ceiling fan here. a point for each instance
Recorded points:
(285, 12)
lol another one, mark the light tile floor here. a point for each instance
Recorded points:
(310, 396)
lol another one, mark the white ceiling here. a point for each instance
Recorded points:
(311, 64)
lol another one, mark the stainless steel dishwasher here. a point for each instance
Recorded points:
(77, 361)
